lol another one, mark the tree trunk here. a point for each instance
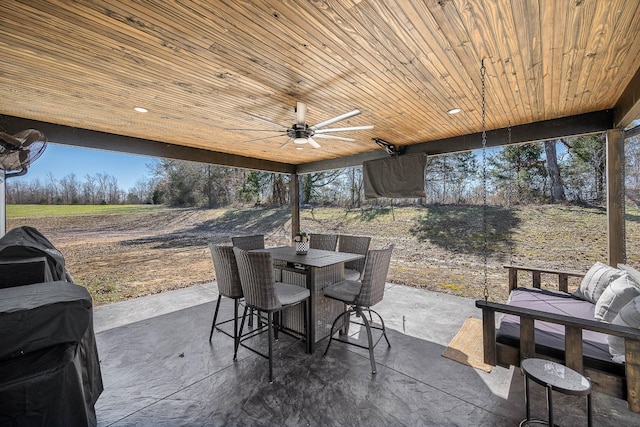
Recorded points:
(557, 186)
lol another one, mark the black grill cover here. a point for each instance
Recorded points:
(28, 242)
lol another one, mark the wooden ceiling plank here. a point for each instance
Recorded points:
(356, 57)
(575, 35)
(608, 18)
(199, 65)
(521, 29)
(478, 27)
(450, 69)
(450, 24)
(618, 73)
(414, 75)
(586, 61)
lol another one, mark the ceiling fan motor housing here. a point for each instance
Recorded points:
(300, 133)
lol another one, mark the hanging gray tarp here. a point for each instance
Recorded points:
(395, 177)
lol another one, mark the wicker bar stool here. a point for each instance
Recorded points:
(228, 278)
(264, 294)
(327, 242)
(248, 243)
(360, 296)
(355, 245)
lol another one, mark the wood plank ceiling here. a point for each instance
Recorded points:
(203, 68)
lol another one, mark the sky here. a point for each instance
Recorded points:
(63, 160)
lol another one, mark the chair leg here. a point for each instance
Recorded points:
(333, 327)
(215, 317)
(276, 323)
(384, 329)
(367, 326)
(307, 323)
(236, 336)
(237, 343)
(251, 319)
(270, 327)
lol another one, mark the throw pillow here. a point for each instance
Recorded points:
(629, 316)
(595, 281)
(635, 274)
(615, 296)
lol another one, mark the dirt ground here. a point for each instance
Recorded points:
(122, 256)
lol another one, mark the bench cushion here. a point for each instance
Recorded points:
(549, 337)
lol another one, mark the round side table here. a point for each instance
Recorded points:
(553, 376)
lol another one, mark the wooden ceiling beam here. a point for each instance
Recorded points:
(583, 124)
(66, 135)
(627, 109)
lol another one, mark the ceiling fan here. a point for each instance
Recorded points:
(301, 133)
(18, 151)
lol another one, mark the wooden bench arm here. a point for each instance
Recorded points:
(573, 340)
(563, 276)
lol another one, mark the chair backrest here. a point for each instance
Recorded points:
(257, 279)
(354, 245)
(226, 267)
(325, 242)
(374, 276)
(248, 243)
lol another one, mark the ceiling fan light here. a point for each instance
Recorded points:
(300, 141)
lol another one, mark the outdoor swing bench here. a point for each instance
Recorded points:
(581, 330)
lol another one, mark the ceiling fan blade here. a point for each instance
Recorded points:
(367, 127)
(313, 143)
(266, 120)
(286, 143)
(324, 136)
(336, 119)
(256, 130)
(301, 114)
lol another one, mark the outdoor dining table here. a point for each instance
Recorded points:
(316, 270)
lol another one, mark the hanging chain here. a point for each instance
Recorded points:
(485, 248)
(623, 201)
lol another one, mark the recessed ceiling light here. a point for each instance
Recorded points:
(299, 148)
(141, 110)
(454, 111)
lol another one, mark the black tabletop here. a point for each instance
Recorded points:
(313, 258)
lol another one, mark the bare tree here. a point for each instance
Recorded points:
(90, 189)
(557, 185)
(52, 189)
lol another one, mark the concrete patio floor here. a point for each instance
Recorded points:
(159, 369)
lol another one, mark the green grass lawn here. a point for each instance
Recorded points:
(20, 211)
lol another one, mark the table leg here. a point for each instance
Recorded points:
(550, 404)
(589, 419)
(526, 396)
